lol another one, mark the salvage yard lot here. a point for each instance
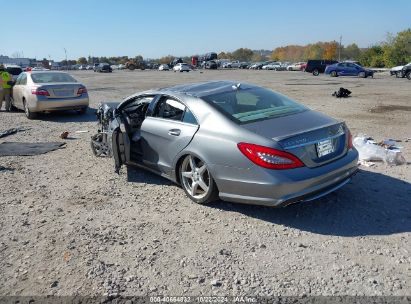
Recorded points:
(70, 225)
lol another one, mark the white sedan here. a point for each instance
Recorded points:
(163, 67)
(47, 91)
(182, 67)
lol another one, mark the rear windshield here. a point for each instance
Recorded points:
(51, 77)
(253, 104)
(14, 71)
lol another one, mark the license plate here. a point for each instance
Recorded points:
(63, 92)
(325, 147)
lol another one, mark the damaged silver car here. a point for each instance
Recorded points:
(237, 142)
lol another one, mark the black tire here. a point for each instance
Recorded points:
(362, 75)
(27, 112)
(408, 75)
(398, 74)
(197, 175)
(131, 67)
(12, 106)
(333, 74)
(316, 72)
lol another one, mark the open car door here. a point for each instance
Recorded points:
(120, 142)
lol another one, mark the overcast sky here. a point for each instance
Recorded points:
(154, 28)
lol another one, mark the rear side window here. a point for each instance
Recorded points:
(248, 105)
(168, 108)
(23, 79)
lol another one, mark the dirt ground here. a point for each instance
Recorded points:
(70, 226)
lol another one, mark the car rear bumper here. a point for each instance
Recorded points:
(281, 188)
(58, 104)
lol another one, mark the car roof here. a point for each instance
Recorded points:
(203, 89)
(43, 71)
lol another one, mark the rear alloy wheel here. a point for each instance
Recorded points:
(197, 181)
(408, 75)
(316, 72)
(398, 74)
(362, 75)
(333, 74)
(29, 114)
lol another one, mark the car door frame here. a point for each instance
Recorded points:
(118, 136)
(167, 170)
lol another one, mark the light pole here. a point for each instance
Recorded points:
(65, 52)
(339, 50)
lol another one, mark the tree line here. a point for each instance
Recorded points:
(395, 50)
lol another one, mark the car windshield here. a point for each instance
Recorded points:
(253, 104)
(51, 77)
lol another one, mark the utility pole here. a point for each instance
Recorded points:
(339, 50)
(65, 52)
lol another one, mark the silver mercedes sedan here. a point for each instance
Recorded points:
(46, 91)
(233, 141)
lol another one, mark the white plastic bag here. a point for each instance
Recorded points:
(369, 151)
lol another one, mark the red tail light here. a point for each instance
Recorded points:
(81, 90)
(40, 92)
(349, 142)
(270, 158)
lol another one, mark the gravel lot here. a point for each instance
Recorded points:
(70, 226)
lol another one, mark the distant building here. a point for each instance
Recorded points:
(23, 62)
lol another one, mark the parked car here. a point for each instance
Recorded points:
(318, 66)
(348, 69)
(40, 69)
(45, 91)
(244, 65)
(95, 65)
(182, 67)
(276, 66)
(82, 67)
(295, 66)
(257, 65)
(211, 64)
(103, 68)
(239, 142)
(164, 67)
(13, 70)
(406, 71)
(89, 67)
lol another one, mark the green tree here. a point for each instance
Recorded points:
(373, 57)
(82, 60)
(351, 51)
(397, 49)
(242, 54)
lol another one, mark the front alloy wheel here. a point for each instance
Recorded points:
(197, 181)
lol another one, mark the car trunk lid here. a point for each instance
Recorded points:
(62, 90)
(314, 138)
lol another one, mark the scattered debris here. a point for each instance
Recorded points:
(366, 163)
(11, 131)
(342, 93)
(386, 150)
(28, 149)
(81, 131)
(64, 135)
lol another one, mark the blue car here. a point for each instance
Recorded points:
(348, 69)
